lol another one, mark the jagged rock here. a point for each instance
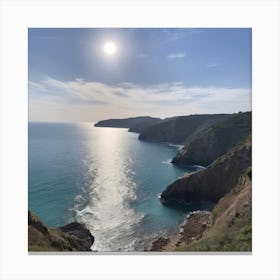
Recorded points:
(231, 228)
(227, 228)
(71, 237)
(213, 182)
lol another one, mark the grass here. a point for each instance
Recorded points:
(238, 238)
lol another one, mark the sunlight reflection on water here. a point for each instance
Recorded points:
(108, 213)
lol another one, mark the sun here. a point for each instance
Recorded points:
(110, 48)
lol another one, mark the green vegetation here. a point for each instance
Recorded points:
(210, 143)
(236, 238)
(232, 222)
(180, 130)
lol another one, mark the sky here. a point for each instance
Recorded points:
(160, 72)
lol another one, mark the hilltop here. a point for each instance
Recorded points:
(213, 142)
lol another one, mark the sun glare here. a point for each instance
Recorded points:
(110, 48)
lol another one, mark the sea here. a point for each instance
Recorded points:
(105, 178)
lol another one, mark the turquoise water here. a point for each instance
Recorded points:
(105, 178)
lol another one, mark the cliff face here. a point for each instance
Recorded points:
(180, 130)
(136, 124)
(227, 228)
(231, 228)
(71, 237)
(215, 141)
(213, 182)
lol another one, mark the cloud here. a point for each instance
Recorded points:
(98, 100)
(174, 35)
(212, 65)
(176, 55)
(121, 94)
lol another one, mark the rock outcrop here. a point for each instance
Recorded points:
(213, 182)
(227, 228)
(71, 237)
(191, 229)
(231, 228)
(215, 141)
(180, 130)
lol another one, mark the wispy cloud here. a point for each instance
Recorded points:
(176, 55)
(98, 100)
(212, 65)
(174, 35)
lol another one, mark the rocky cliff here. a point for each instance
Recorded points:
(213, 142)
(71, 237)
(231, 228)
(227, 228)
(180, 130)
(213, 182)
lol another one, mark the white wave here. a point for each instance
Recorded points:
(178, 147)
(167, 161)
(199, 166)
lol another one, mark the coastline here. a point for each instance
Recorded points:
(197, 221)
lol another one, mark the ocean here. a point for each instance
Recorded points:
(105, 178)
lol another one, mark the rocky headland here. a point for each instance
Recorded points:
(213, 142)
(71, 237)
(223, 144)
(180, 130)
(227, 228)
(136, 124)
(213, 182)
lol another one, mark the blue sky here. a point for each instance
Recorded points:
(160, 72)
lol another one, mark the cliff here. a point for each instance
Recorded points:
(213, 182)
(227, 228)
(180, 130)
(136, 124)
(215, 141)
(71, 237)
(231, 228)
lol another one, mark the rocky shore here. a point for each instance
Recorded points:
(71, 237)
(228, 227)
(191, 229)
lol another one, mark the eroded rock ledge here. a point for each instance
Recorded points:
(227, 228)
(192, 229)
(213, 182)
(71, 237)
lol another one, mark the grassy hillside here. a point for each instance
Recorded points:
(232, 222)
(213, 142)
(180, 130)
